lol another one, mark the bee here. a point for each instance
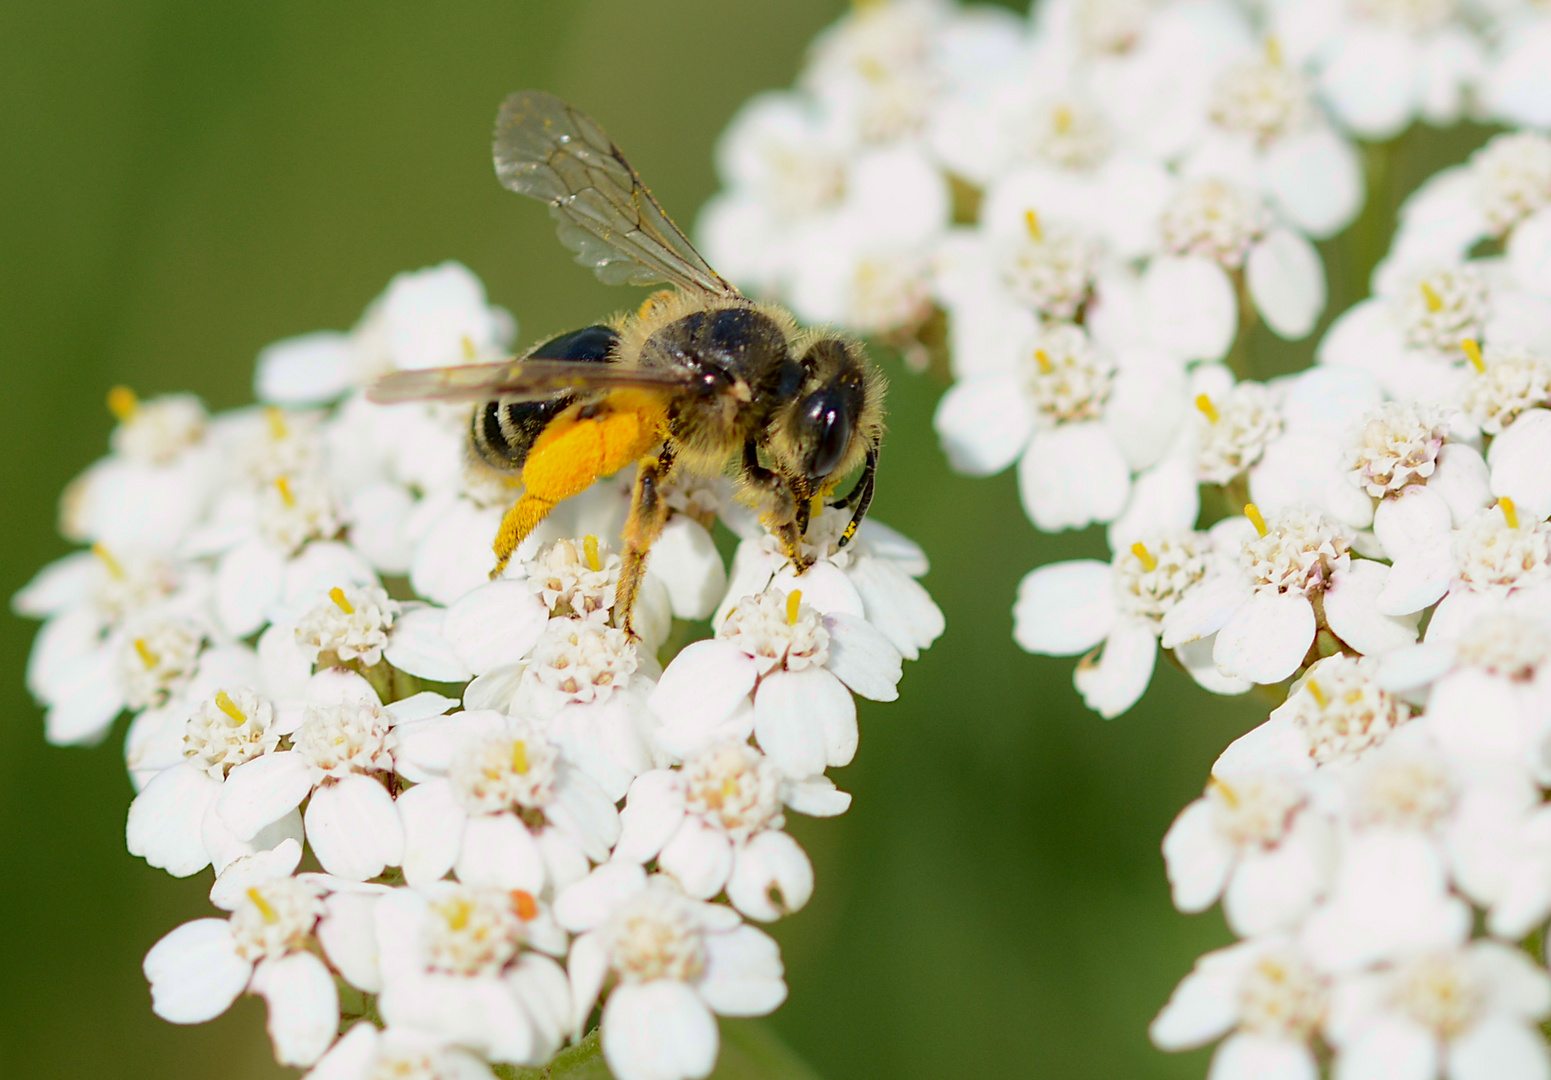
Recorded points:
(699, 380)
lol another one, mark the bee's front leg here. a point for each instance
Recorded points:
(781, 506)
(648, 514)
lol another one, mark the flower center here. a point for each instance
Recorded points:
(1264, 100)
(1111, 26)
(156, 657)
(1069, 135)
(1341, 711)
(1282, 996)
(353, 623)
(1498, 553)
(1050, 269)
(1508, 380)
(654, 936)
(352, 737)
(276, 918)
(1405, 791)
(1505, 644)
(158, 431)
(288, 444)
(295, 509)
(1067, 377)
(1150, 578)
(1297, 551)
(129, 584)
(575, 577)
(1439, 992)
(1253, 809)
(1513, 175)
(734, 788)
(585, 661)
(506, 772)
(1214, 218)
(888, 293)
(1444, 308)
(802, 180)
(777, 632)
(1397, 445)
(1232, 430)
(228, 729)
(475, 931)
(406, 1064)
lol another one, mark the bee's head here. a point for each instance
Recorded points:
(833, 418)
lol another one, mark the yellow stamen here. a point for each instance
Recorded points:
(1208, 410)
(1229, 796)
(147, 657)
(1061, 119)
(265, 908)
(1042, 358)
(1472, 349)
(278, 430)
(1352, 696)
(341, 601)
(283, 485)
(113, 566)
(1510, 512)
(1273, 50)
(224, 702)
(1434, 301)
(469, 352)
(1148, 560)
(520, 758)
(456, 913)
(793, 602)
(122, 403)
(1031, 223)
(1318, 694)
(590, 548)
(1252, 512)
(527, 907)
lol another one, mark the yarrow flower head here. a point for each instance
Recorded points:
(1513, 172)
(352, 624)
(1216, 219)
(1398, 446)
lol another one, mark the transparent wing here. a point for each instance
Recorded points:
(548, 150)
(518, 380)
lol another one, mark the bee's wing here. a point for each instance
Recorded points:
(546, 149)
(519, 380)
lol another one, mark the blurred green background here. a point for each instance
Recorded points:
(185, 181)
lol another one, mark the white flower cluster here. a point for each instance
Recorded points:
(556, 824)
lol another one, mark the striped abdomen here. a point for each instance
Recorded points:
(503, 432)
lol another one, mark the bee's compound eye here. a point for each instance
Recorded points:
(825, 421)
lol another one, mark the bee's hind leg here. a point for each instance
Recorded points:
(648, 514)
(523, 517)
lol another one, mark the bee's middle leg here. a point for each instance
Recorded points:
(648, 514)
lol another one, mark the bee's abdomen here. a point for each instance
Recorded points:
(503, 432)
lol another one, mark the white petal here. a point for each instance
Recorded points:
(1205, 1004)
(587, 904)
(1272, 889)
(1191, 306)
(351, 1057)
(1352, 611)
(495, 625)
(480, 1013)
(354, 829)
(303, 1006)
(499, 851)
(248, 582)
(1064, 608)
(862, 658)
(1072, 476)
(1287, 281)
(1196, 658)
(653, 810)
(583, 812)
(704, 683)
(787, 723)
(263, 790)
(433, 831)
(1264, 1057)
(1118, 679)
(1371, 80)
(1497, 1048)
(541, 987)
(1266, 639)
(1197, 858)
(348, 934)
(815, 796)
(699, 857)
(224, 848)
(1316, 179)
(233, 883)
(984, 423)
(744, 974)
(308, 369)
(418, 647)
(896, 604)
(165, 820)
(1518, 458)
(195, 972)
(658, 1030)
(587, 967)
(285, 664)
(771, 878)
(1204, 609)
